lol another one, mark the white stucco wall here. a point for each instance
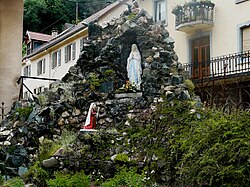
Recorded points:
(11, 26)
(56, 73)
(225, 39)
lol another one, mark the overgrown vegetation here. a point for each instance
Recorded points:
(78, 179)
(181, 145)
(15, 182)
(23, 113)
(125, 178)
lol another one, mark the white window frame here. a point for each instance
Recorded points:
(39, 90)
(240, 28)
(41, 66)
(70, 52)
(160, 16)
(248, 39)
(27, 70)
(56, 59)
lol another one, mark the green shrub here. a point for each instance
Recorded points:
(190, 85)
(78, 179)
(93, 81)
(214, 150)
(1, 180)
(108, 72)
(131, 16)
(67, 138)
(23, 113)
(15, 182)
(121, 158)
(47, 149)
(37, 174)
(125, 178)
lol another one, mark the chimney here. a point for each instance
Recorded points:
(54, 32)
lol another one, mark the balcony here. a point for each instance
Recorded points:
(235, 67)
(193, 16)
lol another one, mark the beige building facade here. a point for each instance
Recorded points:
(212, 41)
(11, 29)
(224, 33)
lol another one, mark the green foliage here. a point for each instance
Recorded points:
(215, 150)
(67, 138)
(44, 15)
(93, 81)
(24, 47)
(37, 174)
(42, 100)
(190, 85)
(125, 178)
(47, 149)
(131, 16)
(206, 148)
(108, 72)
(23, 113)
(121, 158)
(78, 179)
(15, 182)
(1, 180)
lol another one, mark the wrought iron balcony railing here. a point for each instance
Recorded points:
(227, 66)
(194, 14)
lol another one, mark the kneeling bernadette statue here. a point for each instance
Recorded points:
(90, 122)
(134, 69)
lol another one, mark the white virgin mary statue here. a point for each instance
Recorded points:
(134, 67)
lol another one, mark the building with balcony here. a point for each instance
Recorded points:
(212, 39)
(49, 57)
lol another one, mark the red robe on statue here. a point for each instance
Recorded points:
(92, 124)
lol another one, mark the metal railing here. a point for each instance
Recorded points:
(231, 65)
(20, 81)
(193, 12)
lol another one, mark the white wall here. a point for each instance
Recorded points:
(55, 73)
(11, 24)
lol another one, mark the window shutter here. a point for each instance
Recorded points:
(44, 65)
(74, 51)
(65, 54)
(52, 61)
(37, 67)
(59, 57)
(24, 71)
(29, 70)
(246, 38)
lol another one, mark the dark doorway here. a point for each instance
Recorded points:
(200, 57)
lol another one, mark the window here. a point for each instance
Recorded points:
(56, 59)
(246, 38)
(26, 95)
(160, 11)
(70, 52)
(41, 67)
(37, 44)
(39, 90)
(27, 70)
(28, 48)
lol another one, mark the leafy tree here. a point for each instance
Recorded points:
(44, 15)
